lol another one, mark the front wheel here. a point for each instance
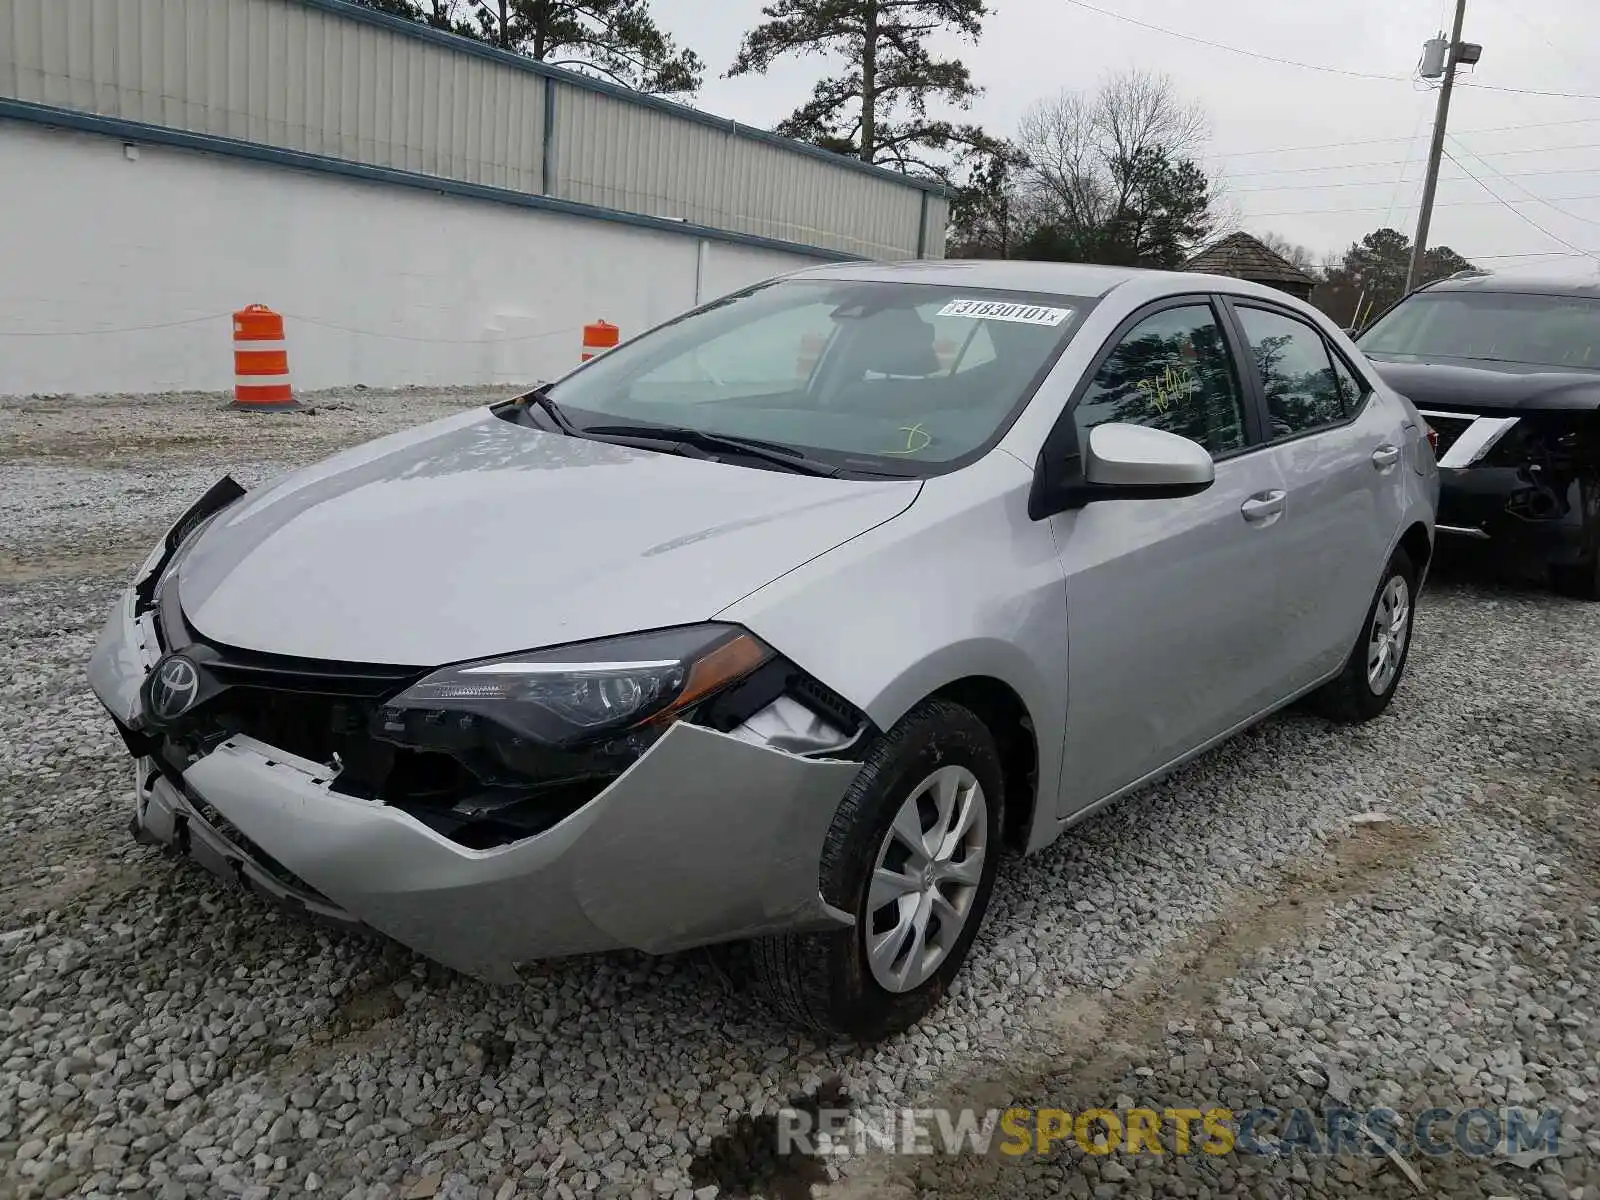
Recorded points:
(1372, 672)
(911, 854)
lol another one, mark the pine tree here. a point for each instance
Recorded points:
(877, 108)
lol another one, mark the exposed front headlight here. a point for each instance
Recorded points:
(496, 750)
(573, 695)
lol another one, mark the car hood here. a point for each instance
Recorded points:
(1490, 386)
(473, 536)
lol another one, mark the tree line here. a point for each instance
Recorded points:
(1108, 175)
(1358, 283)
(875, 106)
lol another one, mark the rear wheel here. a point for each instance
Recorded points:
(1378, 660)
(911, 855)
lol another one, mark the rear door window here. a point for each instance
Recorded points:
(1351, 390)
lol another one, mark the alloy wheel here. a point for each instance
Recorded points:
(925, 878)
(1386, 641)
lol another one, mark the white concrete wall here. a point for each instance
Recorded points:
(120, 275)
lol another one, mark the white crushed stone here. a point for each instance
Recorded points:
(162, 1037)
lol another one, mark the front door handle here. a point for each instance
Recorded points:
(1385, 456)
(1263, 506)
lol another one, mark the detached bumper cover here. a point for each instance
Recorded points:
(1478, 509)
(706, 838)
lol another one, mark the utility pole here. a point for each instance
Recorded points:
(1455, 52)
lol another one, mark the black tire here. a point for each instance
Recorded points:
(1581, 581)
(1349, 697)
(823, 981)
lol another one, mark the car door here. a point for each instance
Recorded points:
(1171, 604)
(1340, 449)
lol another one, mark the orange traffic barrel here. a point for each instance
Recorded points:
(261, 361)
(598, 338)
(811, 347)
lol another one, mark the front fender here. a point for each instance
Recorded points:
(962, 584)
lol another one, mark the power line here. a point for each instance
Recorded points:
(1507, 179)
(1380, 141)
(1395, 162)
(1516, 91)
(1512, 208)
(1411, 150)
(1348, 208)
(1538, 33)
(1305, 66)
(1370, 183)
(1200, 41)
(1526, 254)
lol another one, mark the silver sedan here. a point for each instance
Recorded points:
(780, 622)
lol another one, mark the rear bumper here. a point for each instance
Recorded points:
(708, 837)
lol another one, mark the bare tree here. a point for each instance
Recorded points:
(1301, 256)
(1116, 168)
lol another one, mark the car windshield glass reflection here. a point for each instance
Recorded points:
(1548, 331)
(901, 378)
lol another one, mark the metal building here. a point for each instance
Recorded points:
(328, 85)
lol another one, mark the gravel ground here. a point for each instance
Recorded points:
(1228, 936)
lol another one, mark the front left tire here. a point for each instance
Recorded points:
(912, 855)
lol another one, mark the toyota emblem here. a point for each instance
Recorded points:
(173, 689)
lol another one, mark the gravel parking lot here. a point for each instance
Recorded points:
(1240, 934)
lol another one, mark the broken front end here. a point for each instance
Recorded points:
(655, 791)
(1522, 488)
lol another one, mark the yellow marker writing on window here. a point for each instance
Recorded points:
(1170, 385)
(918, 439)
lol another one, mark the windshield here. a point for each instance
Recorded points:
(904, 378)
(1547, 331)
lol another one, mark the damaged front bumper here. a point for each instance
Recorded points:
(707, 837)
(1526, 528)
(1521, 489)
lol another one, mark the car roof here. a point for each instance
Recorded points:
(1525, 282)
(1066, 279)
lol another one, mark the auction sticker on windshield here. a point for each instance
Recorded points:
(999, 310)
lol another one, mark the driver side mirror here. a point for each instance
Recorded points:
(1125, 462)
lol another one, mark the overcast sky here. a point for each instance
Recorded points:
(1258, 109)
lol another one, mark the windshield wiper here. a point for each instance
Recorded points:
(775, 453)
(540, 396)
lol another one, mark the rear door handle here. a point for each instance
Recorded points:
(1263, 506)
(1385, 456)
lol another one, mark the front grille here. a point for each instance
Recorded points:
(324, 712)
(307, 707)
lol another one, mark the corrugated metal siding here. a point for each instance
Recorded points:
(281, 74)
(620, 155)
(289, 74)
(938, 221)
